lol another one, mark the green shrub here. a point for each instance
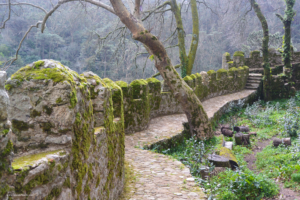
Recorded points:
(242, 185)
(296, 177)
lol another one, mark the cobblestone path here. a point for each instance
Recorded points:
(159, 176)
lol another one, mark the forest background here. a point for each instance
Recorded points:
(93, 39)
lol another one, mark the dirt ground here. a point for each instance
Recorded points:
(284, 193)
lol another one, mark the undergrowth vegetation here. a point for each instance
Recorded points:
(273, 164)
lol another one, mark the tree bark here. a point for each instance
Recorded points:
(191, 105)
(226, 132)
(241, 129)
(287, 21)
(265, 49)
(219, 161)
(285, 141)
(195, 38)
(242, 139)
(181, 37)
(187, 61)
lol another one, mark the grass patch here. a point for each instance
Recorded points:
(129, 183)
(280, 118)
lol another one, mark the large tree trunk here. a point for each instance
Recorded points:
(187, 61)
(191, 105)
(181, 37)
(287, 21)
(265, 49)
(195, 38)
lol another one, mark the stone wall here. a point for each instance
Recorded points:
(67, 130)
(67, 142)
(255, 60)
(146, 99)
(280, 86)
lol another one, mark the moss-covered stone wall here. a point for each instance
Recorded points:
(67, 135)
(255, 59)
(68, 129)
(146, 99)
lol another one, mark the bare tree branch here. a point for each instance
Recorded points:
(97, 3)
(155, 9)
(11, 61)
(136, 12)
(22, 3)
(280, 17)
(203, 2)
(9, 13)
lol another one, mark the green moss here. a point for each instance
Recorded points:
(256, 52)
(211, 72)
(138, 82)
(5, 132)
(48, 110)
(59, 167)
(198, 75)
(20, 125)
(193, 76)
(187, 78)
(55, 192)
(227, 54)
(67, 182)
(230, 62)
(34, 113)
(73, 99)
(87, 189)
(239, 53)
(152, 80)
(59, 100)
(55, 74)
(98, 181)
(154, 38)
(38, 64)
(233, 69)
(222, 71)
(29, 160)
(8, 87)
(122, 84)
(4, 189)
(64, 131)
(46, 126)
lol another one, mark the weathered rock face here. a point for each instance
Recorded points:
(65, 131)
(4, 123)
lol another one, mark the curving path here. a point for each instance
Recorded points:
(159, 176)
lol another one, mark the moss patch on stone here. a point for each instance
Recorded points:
(239, 53)
(211, 72)
(122, 84)
(187, 78)
(21, 162)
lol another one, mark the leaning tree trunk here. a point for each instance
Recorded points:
(265, 49)
(191, 105)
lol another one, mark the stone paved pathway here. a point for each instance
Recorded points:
(159, 176)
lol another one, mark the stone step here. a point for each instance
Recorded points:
(254, 78)
(250, 88)
(255, 75)
(253, 81)
(252, 85)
